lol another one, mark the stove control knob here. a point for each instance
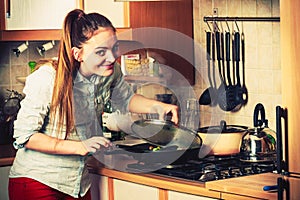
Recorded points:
(230, 172)
(254, 169)
(218, 174)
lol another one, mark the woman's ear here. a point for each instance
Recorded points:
(76, 53)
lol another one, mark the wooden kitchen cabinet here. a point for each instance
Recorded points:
(227, 196)
(116, 12)
(173, 38)
(172, 195)
(99, 187)
(290, 50)
(4, 171)
(35, 14)
(124, 190)
(104, 188)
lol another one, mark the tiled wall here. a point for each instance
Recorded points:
(263, 70)
(12, 66)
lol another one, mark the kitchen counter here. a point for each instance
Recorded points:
(153, 180)
(7, 154)
(251, 185)
(246, 187)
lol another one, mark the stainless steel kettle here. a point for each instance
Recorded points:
(259, 143)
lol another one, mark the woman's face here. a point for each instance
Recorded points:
(98, 54)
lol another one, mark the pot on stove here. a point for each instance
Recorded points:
(259, 144)
(222, 140)
(9, 107)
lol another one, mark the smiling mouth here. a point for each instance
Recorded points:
(107, 66)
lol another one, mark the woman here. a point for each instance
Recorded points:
(58, 123)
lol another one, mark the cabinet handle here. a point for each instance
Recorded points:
(282, 165)
(8, 8)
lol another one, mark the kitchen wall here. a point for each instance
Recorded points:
(263, 70)
(12, 66)
(262, 62)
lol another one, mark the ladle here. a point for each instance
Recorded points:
(244, 88)
(206, 96)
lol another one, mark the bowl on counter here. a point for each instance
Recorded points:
(21, 79)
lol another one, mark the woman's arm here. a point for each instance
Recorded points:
(141, 104)
(47, 144)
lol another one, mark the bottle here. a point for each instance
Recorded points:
(32, 65)
(109, 134)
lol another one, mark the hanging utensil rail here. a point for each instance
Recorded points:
(246, 19)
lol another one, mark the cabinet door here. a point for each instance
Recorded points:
(124, 190)
(99, 187)
(36, 14)
(183, 196)
(4, 171)
(116, 12)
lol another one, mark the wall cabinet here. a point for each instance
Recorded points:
(116, 12)
(36, 14)
(172, 37)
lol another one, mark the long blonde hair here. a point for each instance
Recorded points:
(78, 27)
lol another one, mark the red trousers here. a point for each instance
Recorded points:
(29, 189)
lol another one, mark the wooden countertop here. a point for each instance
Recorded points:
(251, 185)
(162, 182)
(247, 187)
(7, 154)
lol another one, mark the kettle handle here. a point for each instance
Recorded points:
(259, 108)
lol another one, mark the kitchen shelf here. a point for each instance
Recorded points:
(37, 35)
(245, 19)
(144, 79)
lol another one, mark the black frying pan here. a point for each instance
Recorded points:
(165, 134)
(176, 144)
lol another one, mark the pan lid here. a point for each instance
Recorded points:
(223, 128)
(165, 133)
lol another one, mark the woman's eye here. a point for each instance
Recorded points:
(101, 52)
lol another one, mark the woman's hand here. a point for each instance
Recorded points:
(141, 104)
(51, 145)
(164, 110)
(93, 144)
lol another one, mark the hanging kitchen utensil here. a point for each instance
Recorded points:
(238, 93)
(244, 88)
(214, 94)
(222, 87)
(259, 144)
(225, 97)
(206, 96)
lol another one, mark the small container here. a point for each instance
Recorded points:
(155, 69)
